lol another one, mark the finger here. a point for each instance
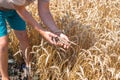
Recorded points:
(59, 43)
(64, 37)
(53, 35)
(65, 46)
(53, 42)
(68, 46)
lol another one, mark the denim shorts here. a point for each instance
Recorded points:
(13, 19)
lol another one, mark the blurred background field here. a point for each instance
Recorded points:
(94, 25)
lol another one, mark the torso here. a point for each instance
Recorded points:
(7, 3)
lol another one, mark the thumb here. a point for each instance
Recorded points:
(52, 35)
(64, 36)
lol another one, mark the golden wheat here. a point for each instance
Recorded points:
(94, 25)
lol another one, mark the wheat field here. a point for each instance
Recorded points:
(94, 25)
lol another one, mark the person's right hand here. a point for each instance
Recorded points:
(49, 37)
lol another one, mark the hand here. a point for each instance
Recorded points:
(63, 41)
(49, 36)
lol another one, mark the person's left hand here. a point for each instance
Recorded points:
(63, 41)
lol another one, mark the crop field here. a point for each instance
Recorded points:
(94, 27)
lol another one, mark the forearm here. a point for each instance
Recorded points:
(46, 17)
(29, 19)
(48, 20)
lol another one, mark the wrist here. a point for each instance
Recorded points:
(58, 32)
(41, 31)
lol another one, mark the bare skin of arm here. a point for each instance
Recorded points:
(29, 19)
(46, 17)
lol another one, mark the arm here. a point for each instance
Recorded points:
(29, 19)
(46, 17)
